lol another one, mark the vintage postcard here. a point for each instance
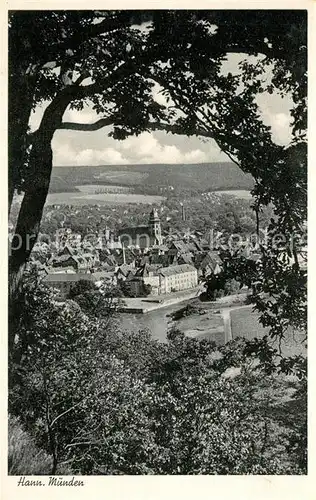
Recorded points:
(157, 166)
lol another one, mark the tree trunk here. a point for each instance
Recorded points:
(21, 91)
(31, 210)
(36, 189)
(28, 223)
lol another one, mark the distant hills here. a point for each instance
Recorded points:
(200, 177)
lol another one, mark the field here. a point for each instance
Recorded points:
(238, 193)
(200, 177)
(80, 198)
(128, 178)
(98, 189)
(245, 323)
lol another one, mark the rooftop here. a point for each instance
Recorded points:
(180, 269)
(67, 277)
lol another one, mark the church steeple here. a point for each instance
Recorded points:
(154, 216)
(154, 224)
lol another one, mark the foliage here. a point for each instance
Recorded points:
(196, 177)
(126, 289)
(232, 286)
(219, 285)
(101, 401)
(81, 287)
(147, 290)
(184, 311)
(97, 301)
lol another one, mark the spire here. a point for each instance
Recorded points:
(183, 212)
(124, 258)
(154, 217)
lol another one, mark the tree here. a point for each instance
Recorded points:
(214, 107)
(51, 55)
(128, 405)
(147, 288)
(232, 286)
(81, 287)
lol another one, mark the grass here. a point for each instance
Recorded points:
(24, 458)
(130, 178)
(100, 199)
(245, 323)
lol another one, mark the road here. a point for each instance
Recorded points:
(225, 312)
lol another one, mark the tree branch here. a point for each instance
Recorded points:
(87, 127)
(178, 129)
(65, 412)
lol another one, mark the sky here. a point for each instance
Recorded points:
(96, 148)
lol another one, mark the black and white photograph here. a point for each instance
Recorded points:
(157, 243)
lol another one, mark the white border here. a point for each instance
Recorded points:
(163, 487)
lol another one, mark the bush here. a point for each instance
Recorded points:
(81, 287)
(232, 286)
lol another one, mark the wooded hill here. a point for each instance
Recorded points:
(200, 177)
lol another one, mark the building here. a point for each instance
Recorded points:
(81, 261)
(208, 264)
(145, 276)
(176, 278)
(179, 253)
(65, 281)
(162, 280)
(143, 237)
(104, 278)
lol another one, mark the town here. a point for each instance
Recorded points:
(141, 260)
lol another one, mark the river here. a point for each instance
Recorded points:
(206, 324)
(155, 321)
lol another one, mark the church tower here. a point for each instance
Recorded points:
(155, 227)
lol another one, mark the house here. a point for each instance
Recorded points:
(65, 281)
(104, 277)
(209, 264)
(64, 261)
(145, 276)
(123, 271)
(67, 270)
(179, 253)
(162, 280)
(176, 278)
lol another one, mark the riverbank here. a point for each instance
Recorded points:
(141, 305)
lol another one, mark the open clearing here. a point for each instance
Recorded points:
(103, 188)
(244, 323)
(129, 177)
(100, 199)
(238, 193)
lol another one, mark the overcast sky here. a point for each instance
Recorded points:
(96, 148)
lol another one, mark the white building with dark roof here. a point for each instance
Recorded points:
(163, 280)
(176, 278)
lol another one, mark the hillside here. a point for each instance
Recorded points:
(199, 177)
